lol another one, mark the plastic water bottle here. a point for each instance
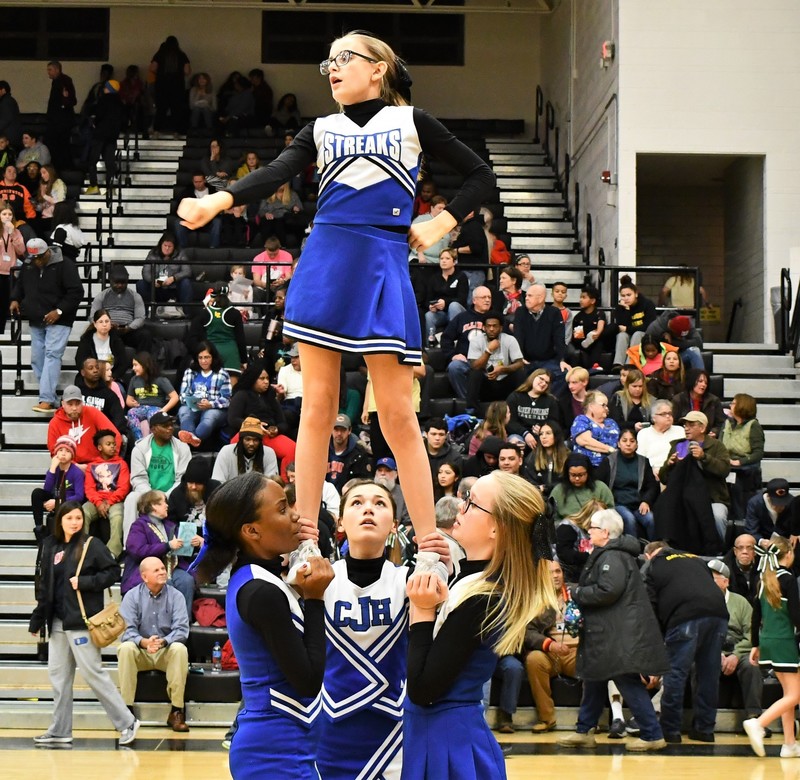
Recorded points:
(216, 658)
(432, 337)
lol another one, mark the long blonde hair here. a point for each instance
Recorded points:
(382, 52)
(780, 546)
(583, 518)
(524, 585)
(635, 375)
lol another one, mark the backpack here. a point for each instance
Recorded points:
(460, 428)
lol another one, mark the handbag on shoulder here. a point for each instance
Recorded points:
(107, 625)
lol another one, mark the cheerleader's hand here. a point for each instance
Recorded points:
(425, 591)
(435, 542)
(316, 577)
(308, 529)
(196, 212)
(426, 234)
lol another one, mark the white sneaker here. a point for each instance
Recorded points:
(790, 751)
(429, 563)
(129, 735)
(51, 739)
(755, 734)
(298, 559)
(226, 744)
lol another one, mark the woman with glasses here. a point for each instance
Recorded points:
(523, 264)
(578, 486)
(503, 584)
(368, 156)
(593, 433)
(530, 406)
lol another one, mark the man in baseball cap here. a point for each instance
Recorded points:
(347, 459)
(386, 475)
(766, 512)
(47, 293)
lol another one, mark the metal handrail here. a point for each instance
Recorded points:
(784, 331)
(539, 109)
(588, 247)
(735, 306)
(565, 189)
(794, 329)
(549, 124)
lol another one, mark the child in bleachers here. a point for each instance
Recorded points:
(273, 267)
(148, 393)
(559, 294)
(587, 328)
(62, 482)
(241, 291)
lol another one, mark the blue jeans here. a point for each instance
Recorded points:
(692, 358)
(697, 641)
(634, 694)
(47, 348)
(181, 290)
(213, 228)
(438, 319)
(511, 673)
(630, 517)
(201, 423)
(458, 374)
(183, 582)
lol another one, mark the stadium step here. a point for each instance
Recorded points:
(734, 365)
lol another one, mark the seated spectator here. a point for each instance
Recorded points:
(743, 437)
(32, 150)
(495, 363)
(280, 215)
(445, 294)
(654, 442)
(7, 152)
(11, 256)
(112, 384)
(187, 503)
(767, 513)
(287, 115)
(631, 317)
(669, 380)
(509, 459)
(632, 403)
(156, 633)
(199, 189)
(289, 387)
(510, 672)
(386, 476)
(270, 340)
(587, 328)
(125, 308)
(154, 534)
(423, 202)
(66, 233)
(331, 499)
(438, 449)
(447, 509)
(510, 285)
(497, 415)
(458, 335)
(216, 166)
(634, 487)
(248, 454)
(167, 275)
(205, 396)
(485, 460)
(252, 162)
(101, 341)
(254, 396)
(239, 112)
(571, 403)
(148, 393)
(430, 256)
(678, 331)
(531, 406)
(202, 102)
(544, 467)
(523, 263)
(558, 294)
(549, 651)
(240, 290)
(272, 269)
(498, 251)
(108, 482)
(64, 481)
(737, 645)
(18, 197)
(740, 560)
(262, 97)
(693, 511)
(648, 356)
(347, 458)
(593, 433)
(697, 398)
(225, 92)
(80, 422)
(573, 543)
(221, 324)
(98, 395)
(447, 479)
(577, 487)
(30, 177)
(158, 461)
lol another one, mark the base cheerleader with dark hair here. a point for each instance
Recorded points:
(279, 640)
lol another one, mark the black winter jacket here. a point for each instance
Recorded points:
(620, 633)
(99, 571)
(55, 286)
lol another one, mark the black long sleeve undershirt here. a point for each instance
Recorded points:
(436, 141)
(434, 664)
(301, 657)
